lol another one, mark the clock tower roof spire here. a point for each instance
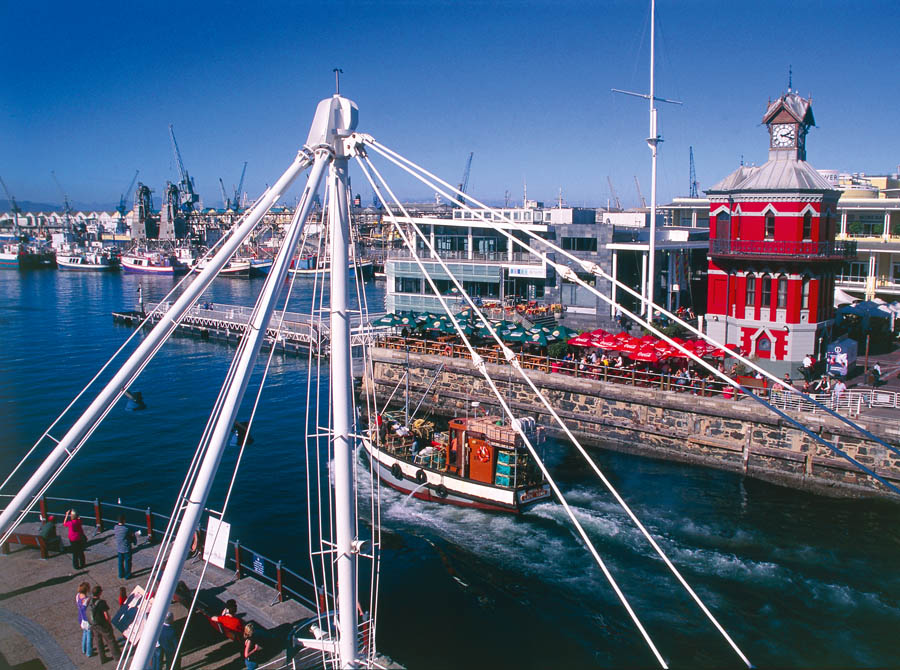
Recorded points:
(790, 108)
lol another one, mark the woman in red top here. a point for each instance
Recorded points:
(77, 538)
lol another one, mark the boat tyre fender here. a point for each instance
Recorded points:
(442, 491)
(421, 478)
(396, 471)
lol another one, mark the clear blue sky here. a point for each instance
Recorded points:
(89, 90)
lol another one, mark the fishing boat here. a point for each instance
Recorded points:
(478, 462)
(27, 255)
(88, 261)
(152, 262)
(235, 267)
(259, 267)
(308, 265)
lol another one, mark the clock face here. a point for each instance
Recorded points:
(784, 135)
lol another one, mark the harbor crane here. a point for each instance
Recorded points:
(187, 195)
(613, 193)
(464, 184)
(234, 202)
(694, 190)
(67, 208)
(122, 199)
(225, 201)
(640, 195)
(13, 206)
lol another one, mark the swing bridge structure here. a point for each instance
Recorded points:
(343, 554)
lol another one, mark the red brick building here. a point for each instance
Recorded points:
(772, 252)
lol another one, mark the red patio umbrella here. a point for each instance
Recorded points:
(583, 340)
(689, 345)
(649, 339)
(629, 345)
(608, 342)
(701, 348)
(645, 354)
(597, 334)
(623, 336)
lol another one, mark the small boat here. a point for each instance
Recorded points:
(27, 256)
(478, 462)
(88, 261)
(308, 266)
(236, 267)
(154, 263)
(259, 267)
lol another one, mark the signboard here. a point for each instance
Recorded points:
(625, 219)
(258, 566)
(537, 271)
(215, 549)
(841, 356)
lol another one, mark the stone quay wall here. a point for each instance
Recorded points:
(739, 436)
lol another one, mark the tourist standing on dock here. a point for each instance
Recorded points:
(124, 541)
(82, 598)
(165, 648)
(251, 648)
(77, 538)
(101, 625)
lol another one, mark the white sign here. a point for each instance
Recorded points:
(527, 271)
(215, 549)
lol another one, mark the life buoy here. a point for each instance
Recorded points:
(396, 471)
(483, 454)
(196, 544)
(421, 477)
(448, 351)
(442, 491)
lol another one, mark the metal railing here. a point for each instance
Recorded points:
(849, 402)
(243, 561)
(842, 249)
(517, 257)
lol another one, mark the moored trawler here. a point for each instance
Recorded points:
(27, 256)
(156, 263)
(479, 462)
(88, 260)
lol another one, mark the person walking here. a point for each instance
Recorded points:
(82, 598)
(165, 648)
(876, 374)
(101, 625)
(77, 538)
(124, 541)
(251, 648)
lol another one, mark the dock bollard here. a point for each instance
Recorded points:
(98, 515)
(149, 518)
(278, 578)
(43, 504)
(237, 559)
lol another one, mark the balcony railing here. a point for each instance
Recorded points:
(518, 257)
(842, 249)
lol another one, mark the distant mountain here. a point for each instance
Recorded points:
(28, 206)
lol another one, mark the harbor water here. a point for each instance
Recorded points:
(798, 580)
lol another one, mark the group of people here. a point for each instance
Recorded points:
(95, 622)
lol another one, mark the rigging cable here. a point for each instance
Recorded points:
(570, 275)
(480, 365)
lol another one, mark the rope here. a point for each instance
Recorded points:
(479, 363)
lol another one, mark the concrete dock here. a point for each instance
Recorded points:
(39, 623)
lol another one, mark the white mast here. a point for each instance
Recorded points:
(647, 288)
(652, 141)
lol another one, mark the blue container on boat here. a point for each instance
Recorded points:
(504, 469)
(503, 480)
(506, 457)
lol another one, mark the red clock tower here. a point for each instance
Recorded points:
(772, 253)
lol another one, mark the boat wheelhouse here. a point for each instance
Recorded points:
(155, 263)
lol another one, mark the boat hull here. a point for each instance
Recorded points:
(448, 489)
(82, 265)
(131, 268)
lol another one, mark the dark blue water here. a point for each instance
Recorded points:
(799, 581)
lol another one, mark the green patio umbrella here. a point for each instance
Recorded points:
(563, 332)
(513, 335)
(392, 320)
(407, 319)
(538, 339)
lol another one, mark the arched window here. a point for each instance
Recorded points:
(770, 226)
(750, 299)
(766, 291)
(807, 226)
(723, 226)
(804, 293)
(782, 292)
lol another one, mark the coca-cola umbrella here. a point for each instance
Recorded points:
(730, 349)
(688, 344)
(608, 342)
(649, 339)
(583, 340)
(646, 354)
(598, 333)
(662, 345)
(701, 348)
(629, 345)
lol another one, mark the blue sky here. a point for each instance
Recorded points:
(89, 90)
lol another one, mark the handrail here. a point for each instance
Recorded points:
(236, 552)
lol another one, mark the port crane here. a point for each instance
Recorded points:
(234, 202)
(612, 192)
(693, 190)
(640, 195)
(187, 195)
(464, 184)
(122, 199)
(67, 208)
(13, 206)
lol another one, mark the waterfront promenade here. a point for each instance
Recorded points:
(39, 625)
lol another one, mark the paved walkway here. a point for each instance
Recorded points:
(38, 619)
